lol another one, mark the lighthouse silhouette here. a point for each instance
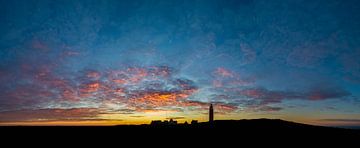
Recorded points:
(211, 114)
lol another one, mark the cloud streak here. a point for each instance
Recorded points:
(52, 114)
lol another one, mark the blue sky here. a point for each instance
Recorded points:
(134, 61)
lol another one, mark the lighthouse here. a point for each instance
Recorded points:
(211, 114)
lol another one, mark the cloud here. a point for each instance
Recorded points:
(230, 87)
(225, 78)
(155, 87)
(223, 72)
(342, 120)
(265, 96)
(144, 100)
(137, 116)
(260, 99)
(224, 107)
(176, 118)
(137, 89)
(323, 93)
(270, 109)
(52, 114)
(69, 53)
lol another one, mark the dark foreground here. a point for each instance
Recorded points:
(262, 129)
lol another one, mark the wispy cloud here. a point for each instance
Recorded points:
(176, 118)
(342, 120)
(53, 114)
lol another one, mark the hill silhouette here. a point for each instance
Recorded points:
(251, 126)
(218, 129)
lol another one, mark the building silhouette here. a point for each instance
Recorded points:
(193, 122)
(156, 122)
(211, 114)
(171, 122)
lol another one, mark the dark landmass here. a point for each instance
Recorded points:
(233, 129)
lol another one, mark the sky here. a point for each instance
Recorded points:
(107, 62)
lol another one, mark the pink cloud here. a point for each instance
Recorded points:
(223, 72)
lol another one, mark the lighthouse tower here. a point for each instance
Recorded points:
(211, 114)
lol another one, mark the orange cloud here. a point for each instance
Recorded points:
(136, 89)
(157, 99)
